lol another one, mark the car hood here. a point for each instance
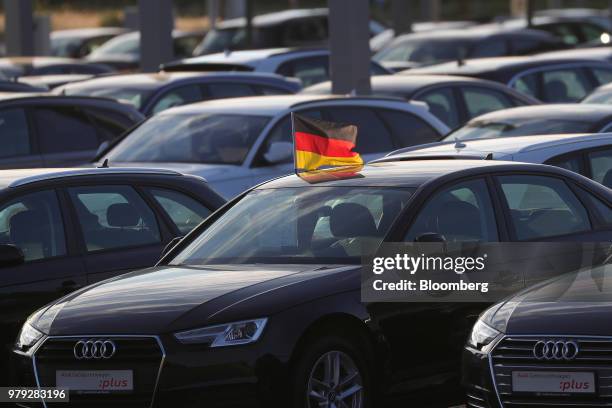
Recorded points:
(575, 303)
(170, 298)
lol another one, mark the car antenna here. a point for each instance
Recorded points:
(489, 156)
(104, 164)
(461, 57)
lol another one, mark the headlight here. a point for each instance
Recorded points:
(28, 336)
(482, 335)
(244, 332)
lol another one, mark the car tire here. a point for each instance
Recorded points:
(348, 382)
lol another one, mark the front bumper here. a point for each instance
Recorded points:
(166, 373)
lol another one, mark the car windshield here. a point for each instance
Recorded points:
(123, 44)
(526, 127)
(134, 96)
(308, 225)
(215, 138)
(422, 50)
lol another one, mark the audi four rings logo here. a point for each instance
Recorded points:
(555, 350)
(94, 349)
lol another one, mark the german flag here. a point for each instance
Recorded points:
(323, 144)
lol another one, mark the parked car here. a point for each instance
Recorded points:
(311, 66)
(417, 49)
(589, 154)
(15, 67)
(123, 51)
(43, 130)
(263, 299)
(379, 41)
(288, 28)
(153, 93)
(237, 143)
(67, 228)
(548, 78)
(546, 346)
(16, 86)
(77, 43)
(452, 99)
(595, 53)
(537, 120)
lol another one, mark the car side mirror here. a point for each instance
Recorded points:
(10, 255)
(171, 245)
(430, 237)
(279, 152)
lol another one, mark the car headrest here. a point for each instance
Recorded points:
(459, 218)
(352, 220)
(26, 226)
(607, 180)
(556, 91)
(122, 215)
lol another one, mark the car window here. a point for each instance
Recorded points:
(600, 163)
(114, 217)
(526, 45)
(14, 134)
(591, 32)
(564, 85)
(602, 75)
(462, 212)
(373, 136)
(110, 124)
(572, 163)
(480, 100)
(34, 224)
(564, 31)
(177, 97)
(64, 129)
(305, 31)
(527, 84)
(271, 90)
(229, 90)
(408, 129)
(309, 70)
(185, 212)
(442, 105)
(603, 210)
(543, 207)
(492, 47)
(282, 132)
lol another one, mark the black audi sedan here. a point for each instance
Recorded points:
(61, 229)
(548, 77)
(260, 304)
(547, 346)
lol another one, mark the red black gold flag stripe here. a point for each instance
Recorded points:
(323, 144)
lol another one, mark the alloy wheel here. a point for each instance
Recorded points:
(335, 382)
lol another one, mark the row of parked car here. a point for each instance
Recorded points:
(258, 297)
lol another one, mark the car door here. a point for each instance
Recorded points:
(34, 222)
(65, 134)
(543, 208)
(118, 228)
(19, 148)
(463, 212)
(595, 164)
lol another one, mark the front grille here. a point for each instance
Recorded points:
(143, 355)
(476, 399)
(515, 353)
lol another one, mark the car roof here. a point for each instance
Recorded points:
(39, 61)
(248, 57)
(155, 80)
(473, 33)
(408, 83)
(21, 177)
(278, 17)
(480, 148)
(599, 53)
(87, 32)
(571, 111)
(412, 173)
(483, 65)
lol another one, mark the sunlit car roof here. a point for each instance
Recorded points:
(400, 173)
(274, 18)
(583, 112)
